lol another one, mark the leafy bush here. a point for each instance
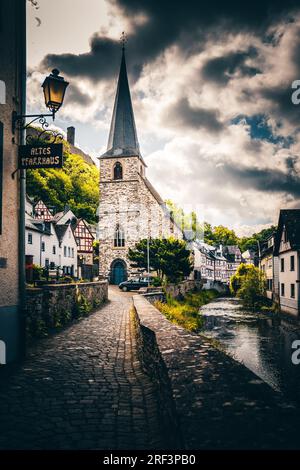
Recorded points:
(185, 312)
(82, 306)
(66, 279)
(156, 282)
(37, 272)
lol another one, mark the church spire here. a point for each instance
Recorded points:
(122, 139)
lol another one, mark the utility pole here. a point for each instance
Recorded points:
(259, 254)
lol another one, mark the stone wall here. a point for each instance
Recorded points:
(178, 290)
(154, 366)
(152, 294)
(55, 305)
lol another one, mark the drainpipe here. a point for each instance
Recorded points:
(22, 187)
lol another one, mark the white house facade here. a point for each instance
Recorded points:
(48, 244)
(287, 248)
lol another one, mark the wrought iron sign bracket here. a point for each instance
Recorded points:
(42, 134)
(19, 121)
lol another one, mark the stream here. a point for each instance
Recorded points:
(263, 343)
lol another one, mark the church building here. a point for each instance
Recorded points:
(130, 208)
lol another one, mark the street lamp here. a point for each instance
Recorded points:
(54, 88)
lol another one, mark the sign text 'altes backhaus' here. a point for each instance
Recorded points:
(40, 156)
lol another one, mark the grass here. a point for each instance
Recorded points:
(185, 312)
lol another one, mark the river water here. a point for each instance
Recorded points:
(261, 342)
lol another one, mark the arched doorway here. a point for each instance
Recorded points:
(118, 272)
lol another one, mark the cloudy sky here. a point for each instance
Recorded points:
(211, 85)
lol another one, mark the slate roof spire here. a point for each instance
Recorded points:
(122, 139)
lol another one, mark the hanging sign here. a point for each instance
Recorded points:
(40, 156)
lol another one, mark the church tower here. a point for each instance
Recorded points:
(130, 209)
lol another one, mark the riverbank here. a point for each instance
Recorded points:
(185, 312)
(220, 404)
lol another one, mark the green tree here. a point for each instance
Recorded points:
(251, 243)
(224, 236)
(169, 257)
(249, 285)
(185, 221)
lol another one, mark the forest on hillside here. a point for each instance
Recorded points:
(75, 185)
(217, 235)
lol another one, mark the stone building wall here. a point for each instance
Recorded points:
(12, 25)
(130, 204)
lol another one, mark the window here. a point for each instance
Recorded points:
(118, 171)
(282, 265)
(54, 249)
(282, 290)
(52, 265)
(43, 246)
(69, 252)
(119, 240)
(292, 291)
(29, 239)
(47, 263)
(292, 263)
(72, 252)
(285, 237)
(65, 251)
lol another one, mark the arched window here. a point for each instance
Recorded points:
(118, 171)
(119, 237)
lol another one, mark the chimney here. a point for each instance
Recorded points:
(71, 135)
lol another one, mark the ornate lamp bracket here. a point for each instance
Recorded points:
(48, 135)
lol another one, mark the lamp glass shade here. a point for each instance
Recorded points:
(54, 88)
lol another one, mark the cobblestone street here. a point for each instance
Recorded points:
(82, 388)
(85, 388)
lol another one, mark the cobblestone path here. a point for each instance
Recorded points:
(82, 388)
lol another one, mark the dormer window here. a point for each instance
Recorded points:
(118, 171)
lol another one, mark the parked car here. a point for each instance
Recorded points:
(135, 284)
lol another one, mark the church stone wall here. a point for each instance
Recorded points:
(130, 167)
(129, 204)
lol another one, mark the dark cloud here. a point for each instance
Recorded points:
(222, 69)
(280, 98)
(183, 114)
(75, 96)
(266, 180)
(101, 62)
(168, 22)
